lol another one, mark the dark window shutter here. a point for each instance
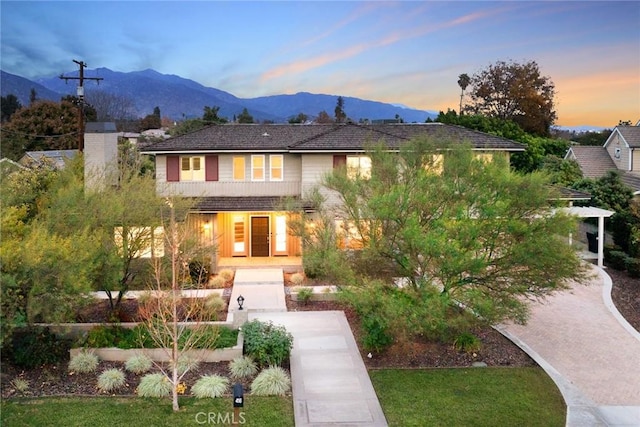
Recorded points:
(211, 168)
(173, 168)
(339, 160)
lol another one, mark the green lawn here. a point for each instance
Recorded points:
(425, 397)
(469, 397)
(116, 411)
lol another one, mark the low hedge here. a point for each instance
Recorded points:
(105, 336)
(633, 267)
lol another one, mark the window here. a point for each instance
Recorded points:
(238, 235)
(141, 242)
(617, 153)
(257, 167)
(281, 234)
(276, 167)
(192, 168)
(238, 168)
(359, 166)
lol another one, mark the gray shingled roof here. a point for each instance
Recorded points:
(320, 137)
(632, 180)
(228, 204)
(631, 135)
(594, 160)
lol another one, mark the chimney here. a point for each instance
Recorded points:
(100, 155)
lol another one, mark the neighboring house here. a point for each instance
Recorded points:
(240, 173)
(130, 137)
(621, 152)
(56, 158)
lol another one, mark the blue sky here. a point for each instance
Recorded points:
(398, 52)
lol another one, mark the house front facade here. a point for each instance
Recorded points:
(240, 174)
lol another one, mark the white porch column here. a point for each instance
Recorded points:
(600, 241)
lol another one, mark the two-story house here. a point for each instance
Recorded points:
(240, 173)
(621, 152)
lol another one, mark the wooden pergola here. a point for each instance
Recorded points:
(593, 212)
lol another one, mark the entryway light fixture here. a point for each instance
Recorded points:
(240, 301)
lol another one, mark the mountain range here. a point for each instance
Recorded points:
(180, 98)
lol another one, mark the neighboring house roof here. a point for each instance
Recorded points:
(8, 166)
(594, 160)
(347, 137)
(57, 158)
(631, 179)
(571, 194)
(629, 134)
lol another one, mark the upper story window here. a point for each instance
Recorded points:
(257, 167)
(238, 168)
(276, 167)
(617, 153)
(359, 166)
(192, 168)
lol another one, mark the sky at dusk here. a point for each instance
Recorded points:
(405, 52)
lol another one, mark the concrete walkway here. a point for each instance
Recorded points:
(262, 289)
(589, 350)
(330, 383)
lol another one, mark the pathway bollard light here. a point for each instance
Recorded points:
(240, 301)
(238, 401)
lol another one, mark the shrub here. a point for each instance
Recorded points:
(138, 364)
(154, 385)
(106, 336)
(243, 367)
(21, 385)
(617, 259)
(376, 335)
(273, 381)
(304, 295)
(198, 272)
(633, 267)
(297, 279)
(268, 344)
(210, 386)
(33, 346)
(214, 303)
(226, 274)
(111, 379)
(187, 363)
(217, 282)
(467, 342)
(84, 362)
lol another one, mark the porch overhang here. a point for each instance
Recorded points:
(234, 204)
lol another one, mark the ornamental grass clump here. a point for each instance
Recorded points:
(243, 367)
(226, 274)
(138, 364)
(297, 279)
(217, 282)
(84, 362)
(154, 385)
(110, 380)
(210, 386)
(273, 381)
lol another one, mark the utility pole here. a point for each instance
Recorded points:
(81, 78)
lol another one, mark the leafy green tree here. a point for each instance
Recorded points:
(592, 138)
(210, 116)
(339, 113)
(300, 118)
(10, 104)
(517, 92)
(323, 118)
(44, 125)
(457, 230)
(561, 172)
(245, 117)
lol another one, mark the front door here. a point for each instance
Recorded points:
(259, 236)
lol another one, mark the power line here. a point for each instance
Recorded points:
(81, 78)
